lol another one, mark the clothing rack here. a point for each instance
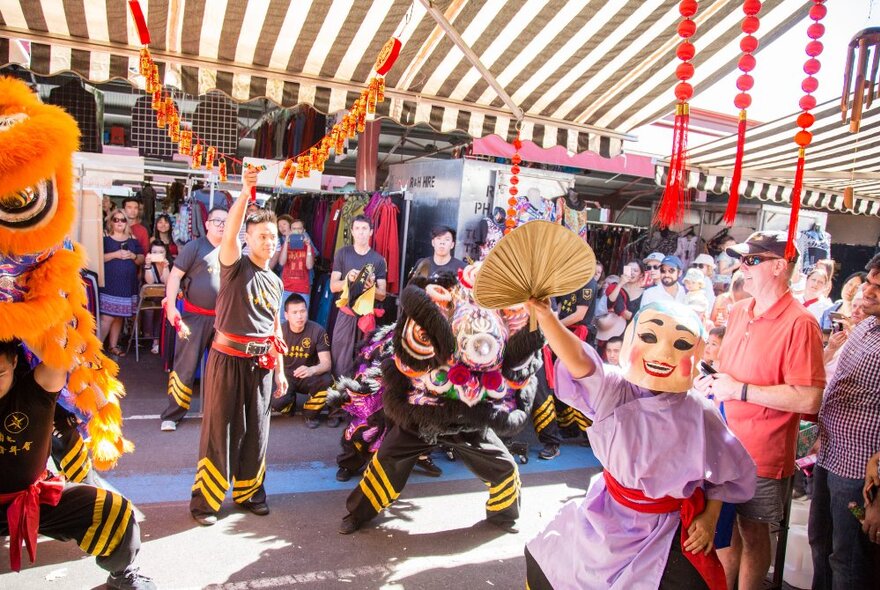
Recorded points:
(613, 224)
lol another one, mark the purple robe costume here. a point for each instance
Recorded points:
(664, 445)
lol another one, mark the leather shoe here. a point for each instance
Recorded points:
(343, 474)
(258, 508)
(508, 526)
(333, 421)
(348, 525)
(427, 466)
(204, 519)
(312, 423)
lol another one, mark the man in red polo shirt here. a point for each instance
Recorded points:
(770, 372)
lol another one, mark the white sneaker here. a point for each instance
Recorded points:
(168, 426)
(155, 349)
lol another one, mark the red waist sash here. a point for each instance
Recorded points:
(193, 308)
(23, 516)
(708, 566)
(265, 360)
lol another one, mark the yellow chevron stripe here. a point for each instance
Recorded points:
(494, 500)
(242, 497)
(390, 488)
(180, 401)
(383, 497)
(212, 502)
(539, 414)
(96, 521)
(369, 494)
(76, 473)
(539, 426)
(217, 491)
(119, 533)
(495, 489)
(500, 507)
(209, 466)
(180, 391)
(73, 454)
(80, 474)
(173, 377)
(107, 525)
(247, 483)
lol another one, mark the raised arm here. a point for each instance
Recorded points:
(230, 249)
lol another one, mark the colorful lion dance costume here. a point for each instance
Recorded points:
(451, 373)
(42, 298)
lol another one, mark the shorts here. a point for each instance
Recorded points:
(768, 503)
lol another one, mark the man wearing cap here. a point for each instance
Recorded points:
(669, 289)
(770, 371)
(706, 265)
(652, 267)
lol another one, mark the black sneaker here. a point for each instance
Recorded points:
(508, 526)
(312, 423)
(258, 508)
(130, 579)
(343, 474)
(427, 466)
(333, 421)
(550, 451)
(348, 525)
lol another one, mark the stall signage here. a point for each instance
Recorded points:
(421, 182)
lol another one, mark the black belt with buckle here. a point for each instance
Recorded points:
(249, 348)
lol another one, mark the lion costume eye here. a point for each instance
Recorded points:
(26, 206)
(416, 341)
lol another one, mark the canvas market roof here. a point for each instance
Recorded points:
(584, 72)
(834, 160)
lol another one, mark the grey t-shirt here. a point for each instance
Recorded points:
(433, 269)
(248, 300)
(347, 259)
(200, 261)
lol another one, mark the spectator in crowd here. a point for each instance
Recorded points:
(849, 435)
(123, 258)
(442, 261)
(626, 295)
(355, 268)
(724, 302)
(858, 308)
(252, 209)
(164, 234)
(612, 350)
(871, 496)
(296, 256)
(706, 265)
(695, 296)
(107, 207)
(307, 365)
(132, 209)
(157, 268)
(652, 268)
(669, 289)
(713, 345)
(726, 265)
(829, 267)
(843, 306)
(815, 298)
(770, 371)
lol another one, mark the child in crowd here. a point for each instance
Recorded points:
(713, 344)
(157, 268)
(696, 298)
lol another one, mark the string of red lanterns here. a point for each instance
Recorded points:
(805, 119)
(748, 44)
(512, 201)
(674, 199)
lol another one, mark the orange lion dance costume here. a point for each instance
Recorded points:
(42, 298)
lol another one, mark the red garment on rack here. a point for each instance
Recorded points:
(386, 241)
(328, 248)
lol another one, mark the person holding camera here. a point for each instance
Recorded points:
(118, 297)
(157, 268)
(296, 255)
(845, 553)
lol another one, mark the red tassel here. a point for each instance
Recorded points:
(138, 15)
(674, 200)
(790, 251)
(733, 200)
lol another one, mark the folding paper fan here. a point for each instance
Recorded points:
(537, 259)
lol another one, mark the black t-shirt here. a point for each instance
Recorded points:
(27, 416)
(248, 300)
(427, 265)
(200, 261)
(347, 259)
(586, 295)
(303, 348)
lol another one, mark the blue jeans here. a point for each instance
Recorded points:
(843, 558)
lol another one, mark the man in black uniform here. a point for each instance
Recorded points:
(38, 502)
(198, 263)
(357, 267)
(576, 311)
(247, 347)
(443, 242)
(307, 365)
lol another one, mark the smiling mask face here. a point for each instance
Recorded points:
(662, 347)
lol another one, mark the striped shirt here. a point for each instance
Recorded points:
(849, 421)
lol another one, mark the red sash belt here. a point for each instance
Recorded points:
(23, 516)
(192, 308)
(265, 359)
(708, 566)
(578, 330)
(365, 323)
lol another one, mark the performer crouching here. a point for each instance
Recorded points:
(238, 378)
(648, 521)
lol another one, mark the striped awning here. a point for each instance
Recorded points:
(835, 160)
(584, 72)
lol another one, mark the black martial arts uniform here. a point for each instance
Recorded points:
(302, 351)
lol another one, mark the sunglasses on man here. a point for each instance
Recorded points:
(755, 259)
(652, 267)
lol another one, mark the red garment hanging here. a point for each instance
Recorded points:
(328, 249)
(385, 242)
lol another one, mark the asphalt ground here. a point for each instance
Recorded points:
(433, 537)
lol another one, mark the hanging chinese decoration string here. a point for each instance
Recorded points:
(805, 119)
(512, 201)
(301, 166)
(748, 44)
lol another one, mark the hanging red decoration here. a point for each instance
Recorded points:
(805, 120)
(674, 200)
(748, 44)
(140, 22)
(512, 201)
